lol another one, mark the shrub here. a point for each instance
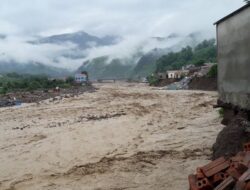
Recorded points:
(152, 80)
(199, 62)
(34, 85)
(213, 72)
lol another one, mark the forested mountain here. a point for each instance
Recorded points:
(82, 39)
(203, 52)
(103, 68)
(32, 68)
(140, 63)
(151, 55)
(146, 64)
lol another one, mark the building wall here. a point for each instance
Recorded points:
(233, 39)
(80, 78)
(162, 75)
(173, 75)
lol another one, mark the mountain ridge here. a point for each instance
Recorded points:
(82, 39)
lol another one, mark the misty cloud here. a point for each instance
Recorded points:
(20, 51)
(135, 21)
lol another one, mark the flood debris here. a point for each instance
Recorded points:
(229, 141)
(17, 98)
(235, 133)
(230, 168)
(105, 116)
(21, 128)
(181, 85)
(10, 101)
(224, 173)
(7, 103)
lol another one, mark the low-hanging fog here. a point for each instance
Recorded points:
(133, 22)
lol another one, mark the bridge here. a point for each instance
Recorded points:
(111, 80)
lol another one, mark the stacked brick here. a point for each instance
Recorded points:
(224, 174)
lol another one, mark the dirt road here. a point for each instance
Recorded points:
(123, 136)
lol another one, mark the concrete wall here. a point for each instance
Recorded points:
(233, 38)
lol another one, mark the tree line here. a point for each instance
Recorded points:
(202, 53)
(16, 82)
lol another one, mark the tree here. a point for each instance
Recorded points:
(247, 1)
(70, 80)
(199, 62)
(153, 80)
(203, 53)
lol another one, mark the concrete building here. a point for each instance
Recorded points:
(162, 75)
(233, 41)
(177, 74)
(80, 78)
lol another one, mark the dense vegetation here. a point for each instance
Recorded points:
(32, 68)
(15, 82)
(146, 65)
(202, 53)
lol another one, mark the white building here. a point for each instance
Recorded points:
(80, 78)
(177, 74)
(162, 75)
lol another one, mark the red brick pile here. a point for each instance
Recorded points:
(224, 174)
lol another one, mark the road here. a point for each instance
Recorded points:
(123, 136)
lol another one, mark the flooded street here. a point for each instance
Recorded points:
(123, 136)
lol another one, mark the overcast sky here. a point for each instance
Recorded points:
(102, 17)
(22, 19)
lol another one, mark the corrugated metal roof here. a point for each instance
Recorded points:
(232, 14)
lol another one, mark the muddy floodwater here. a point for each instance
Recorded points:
(123, 136)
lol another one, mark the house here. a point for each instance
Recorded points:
(233, 44)
(162, 75)
(81, 77)
(173, 74)
(177, 74)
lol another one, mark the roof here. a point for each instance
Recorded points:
(177, 71)
(233, 13)
(80, 74)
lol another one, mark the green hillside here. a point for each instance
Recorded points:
(102, 67)
(202, 53)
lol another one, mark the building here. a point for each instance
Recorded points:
(233, 41)
(162, 75)
(81, 78)
(177, 74)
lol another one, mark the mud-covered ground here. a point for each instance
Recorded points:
(8, 99)
(123, 136)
